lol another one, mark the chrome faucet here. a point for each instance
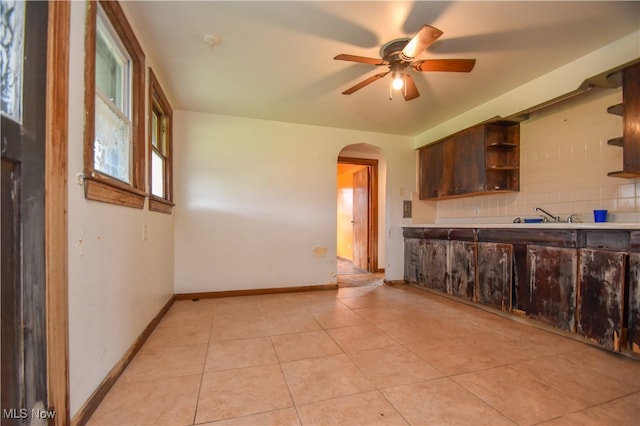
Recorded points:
(554, 218)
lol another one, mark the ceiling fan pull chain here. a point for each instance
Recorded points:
(404, 83)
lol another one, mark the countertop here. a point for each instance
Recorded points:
(547, 225)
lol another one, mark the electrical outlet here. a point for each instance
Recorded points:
(476, 211)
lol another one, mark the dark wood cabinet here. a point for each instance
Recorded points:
(413, 255)
(633, 307)
(552, 281)
(600, 296)
(461, 269)
(468, 167)
(495, 275)
(435, 264)
(629, 110)
(481, 159)
(583, 281)
(436, 176)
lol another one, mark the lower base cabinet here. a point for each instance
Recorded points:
(600, 296)
(435, 265)
(461, 269)
(494, 275)
(552, 280)
(413, 255)
(585, 282)
(633, 315)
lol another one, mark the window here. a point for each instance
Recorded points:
(160, 148)
(12, 15)
(114, 104)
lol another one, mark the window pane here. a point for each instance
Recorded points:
(163, 136)
(111, 70)
(157, 175)
(112, 147)
(12, 15)
(154, 129)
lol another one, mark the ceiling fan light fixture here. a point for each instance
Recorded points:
(397, 81)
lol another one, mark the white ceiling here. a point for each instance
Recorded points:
(276, 58)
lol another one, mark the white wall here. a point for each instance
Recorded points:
(256, 201)
(117, 281)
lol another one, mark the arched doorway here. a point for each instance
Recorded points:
(359, 188)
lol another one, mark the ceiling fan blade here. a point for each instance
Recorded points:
(410, 90)
(365, 83)
(451, 65)
(421, 41)
(362, 59)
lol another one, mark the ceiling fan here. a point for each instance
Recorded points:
(399, 55)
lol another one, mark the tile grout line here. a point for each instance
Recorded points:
(204, 365)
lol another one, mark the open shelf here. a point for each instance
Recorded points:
(617, 109)
(619, 141)
(623, 174)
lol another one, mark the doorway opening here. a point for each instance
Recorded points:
(357, 222)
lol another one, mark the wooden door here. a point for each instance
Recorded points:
(23, 299)
(361, 189)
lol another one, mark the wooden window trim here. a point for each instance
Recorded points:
(156, 96)
(99, 186)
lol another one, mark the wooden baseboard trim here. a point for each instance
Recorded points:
(394, 282)
(254, 292)
(89, 407)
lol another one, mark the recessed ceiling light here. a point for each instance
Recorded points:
(211, 39)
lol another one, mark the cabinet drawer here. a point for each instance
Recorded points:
(605, 239)
(555, 238)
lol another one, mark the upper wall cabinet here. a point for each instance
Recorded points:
(629, 109)
(479, 160)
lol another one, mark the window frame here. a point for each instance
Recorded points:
(99, 186)
(158, 102)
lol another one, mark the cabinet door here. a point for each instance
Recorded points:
(633, 316)
(462, 269)
(494, 275)
(552, 281)
(436, 170)
(469, 161)
(600, 295)
(413, 254)
(435, 264)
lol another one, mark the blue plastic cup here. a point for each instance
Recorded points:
(600, 215)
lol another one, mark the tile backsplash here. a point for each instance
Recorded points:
(564, 161)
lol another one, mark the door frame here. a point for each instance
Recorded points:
(372, 246)
(56, 243)
(52, 226)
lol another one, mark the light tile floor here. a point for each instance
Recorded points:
(361, 356)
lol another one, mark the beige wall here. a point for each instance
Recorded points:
(118, 279)
(564, 161)
(256, 201)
